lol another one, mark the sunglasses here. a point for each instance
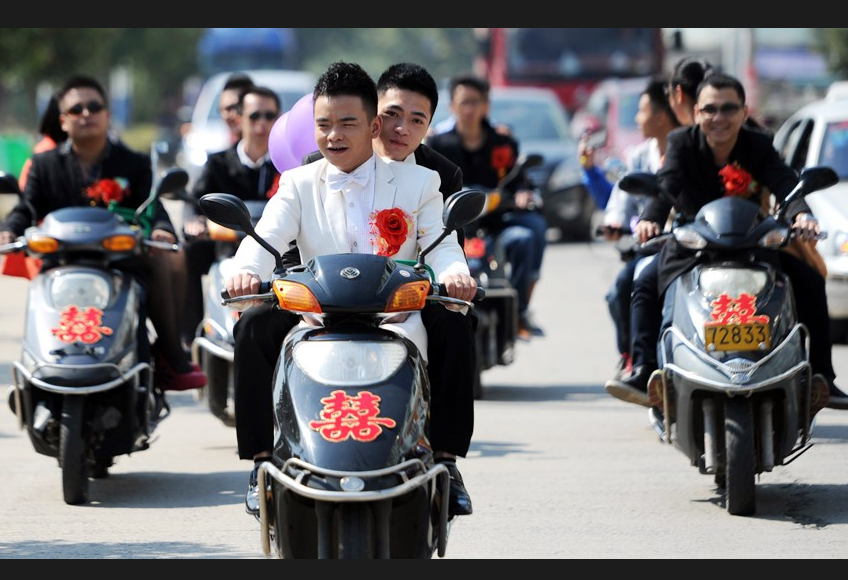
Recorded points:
(92, 107)
(267, 115)
(726, 109)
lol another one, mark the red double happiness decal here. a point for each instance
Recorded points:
(346, 417)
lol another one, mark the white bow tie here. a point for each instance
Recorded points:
(339, 180)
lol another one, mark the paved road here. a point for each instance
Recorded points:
(557, 468)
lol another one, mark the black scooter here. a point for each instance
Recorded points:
(735, 388)
(497, 316)
(352, 473)
(82, 389)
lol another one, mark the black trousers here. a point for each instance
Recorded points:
(199, 257)
(451, 351)
(810, 303)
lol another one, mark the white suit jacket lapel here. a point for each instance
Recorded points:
(384, 187)
(334, 207)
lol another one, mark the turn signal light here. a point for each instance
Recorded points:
(295, 297)
(43, 244)
(493, 200)
(410, 296)
(122, 243)
(219, 233)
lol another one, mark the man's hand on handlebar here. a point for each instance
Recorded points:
(646, 230)
(806, 227)
(242, 284)
(460, 286)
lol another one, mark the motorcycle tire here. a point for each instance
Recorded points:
(355, 531)
(72, 451)
(741, 470)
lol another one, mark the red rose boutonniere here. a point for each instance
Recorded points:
(106, 191)
(737, 181)
(391, 227)
(275, 185)
(503, 159)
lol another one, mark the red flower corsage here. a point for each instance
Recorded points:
(503, 158)
(737, 181)
(107, 190)
(391, 227)
(274, 187)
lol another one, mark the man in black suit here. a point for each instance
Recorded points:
(74, 174)
(408, 96)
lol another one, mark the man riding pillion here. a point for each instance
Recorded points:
(327, 207)
(695, 171)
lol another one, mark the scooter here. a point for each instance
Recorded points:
(497, 316)
(213, 344)
(735, 388)
(352, 473)
(81, 388)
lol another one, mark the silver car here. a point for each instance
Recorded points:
(817, 134)
(541, 125)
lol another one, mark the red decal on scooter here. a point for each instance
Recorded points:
(727, 310)
(347, 417)
(81, 325)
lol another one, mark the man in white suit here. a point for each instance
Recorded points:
(326, 206)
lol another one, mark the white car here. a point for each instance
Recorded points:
(209, 133)
(817, 134)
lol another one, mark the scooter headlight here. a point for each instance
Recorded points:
(349, 363)
(689, 238)
(733, 281)
(79, 289)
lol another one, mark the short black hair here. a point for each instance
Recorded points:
(410, 77)
(238, 80)
(348, 79)
(723, 81)
(479, 84)
(79, 82)
(656, 91)
(262, 92)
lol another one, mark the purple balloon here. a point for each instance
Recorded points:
(300, 129)
(278, 146)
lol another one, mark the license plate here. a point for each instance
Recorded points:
(736, 336)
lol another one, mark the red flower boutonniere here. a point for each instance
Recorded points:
(391, 227)
(503, 159)
(274, 187)
(107, 190)
(737, 181)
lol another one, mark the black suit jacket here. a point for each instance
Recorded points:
(689, 179)
(449, 173)
(224, 172)
(55, 181)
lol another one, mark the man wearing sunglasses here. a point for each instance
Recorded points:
(228, 103)
(245, 170)
(689, 179)
(59, 178)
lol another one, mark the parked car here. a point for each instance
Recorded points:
(207, 132)
(541, 125)
(817, 134)
(611, 111)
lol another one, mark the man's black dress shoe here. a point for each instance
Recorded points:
(460, 501)
(633, 389)
(837, 399)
